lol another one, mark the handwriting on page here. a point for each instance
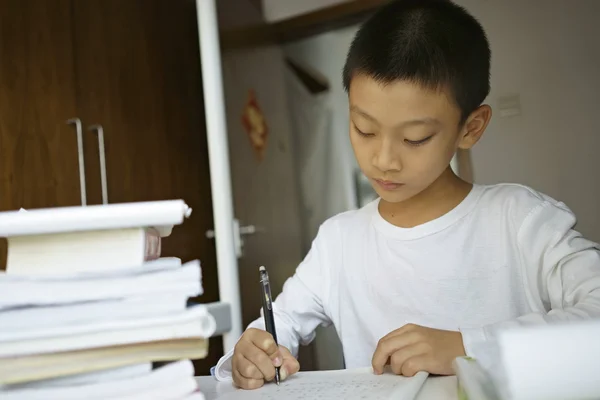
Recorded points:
(336, 385)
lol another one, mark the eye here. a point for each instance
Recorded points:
(361, 133)
(418, 142)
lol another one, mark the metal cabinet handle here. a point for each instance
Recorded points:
(77, 123)
(100, 131)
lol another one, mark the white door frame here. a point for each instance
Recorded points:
(220, 176)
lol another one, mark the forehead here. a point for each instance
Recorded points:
(399, 101)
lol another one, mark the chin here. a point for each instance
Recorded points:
(394, 197)
(398, 196)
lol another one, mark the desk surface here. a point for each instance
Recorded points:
(436, 388)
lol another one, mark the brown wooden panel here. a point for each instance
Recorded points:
(138, 75)
(38, 162)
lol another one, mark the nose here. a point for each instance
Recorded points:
(386, 159)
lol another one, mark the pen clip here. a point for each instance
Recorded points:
(264, 280)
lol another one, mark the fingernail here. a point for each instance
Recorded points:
(283, 373)
(277, 361)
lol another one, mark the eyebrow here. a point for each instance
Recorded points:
(418, 121)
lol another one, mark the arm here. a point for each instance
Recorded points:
(561, 270)
(300, 308)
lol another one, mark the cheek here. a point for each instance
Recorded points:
(429, 164)
(361, 149)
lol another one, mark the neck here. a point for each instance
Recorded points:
(439, 198)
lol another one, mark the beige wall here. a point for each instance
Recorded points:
(276, 10)
(548, 52)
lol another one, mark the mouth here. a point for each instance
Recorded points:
(388, 185)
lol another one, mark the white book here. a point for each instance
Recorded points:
(194, 322)
(92, 238)
(162, 215)
(474, 383)
(86, 378)
(557, 361)
(171, 381)
(61, 366)
(157, 278)
(104, 251)
(41, 317)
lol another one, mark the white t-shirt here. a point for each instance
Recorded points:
(506, 255)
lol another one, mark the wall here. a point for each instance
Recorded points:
(275, 10)
(548, 52)
(326, 53)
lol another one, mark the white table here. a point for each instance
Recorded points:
(435, 388)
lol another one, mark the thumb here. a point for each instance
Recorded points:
(290, 365)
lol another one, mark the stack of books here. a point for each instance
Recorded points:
(88, 309)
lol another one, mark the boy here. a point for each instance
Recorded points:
(436, 265)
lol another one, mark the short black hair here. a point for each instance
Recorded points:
(434, 43)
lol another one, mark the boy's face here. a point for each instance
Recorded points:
(404, 136)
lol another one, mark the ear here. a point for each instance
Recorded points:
(475, 126)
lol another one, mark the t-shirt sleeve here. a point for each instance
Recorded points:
(561, 270)
(301, 306)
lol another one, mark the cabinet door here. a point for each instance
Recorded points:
(138, 70)
(38, 150)
(39, 162)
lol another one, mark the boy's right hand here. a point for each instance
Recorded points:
(255, 357)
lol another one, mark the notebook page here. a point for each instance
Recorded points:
(357, 384)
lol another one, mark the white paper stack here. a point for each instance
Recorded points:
(93, 330)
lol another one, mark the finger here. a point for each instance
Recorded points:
(247, 369)
(401, 357)
(246, 383)
(264, 341)
(285, 354)
(414, 365)
(290, 364)
(262, 361)
(386, 347)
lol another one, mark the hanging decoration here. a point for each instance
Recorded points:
(255, 124)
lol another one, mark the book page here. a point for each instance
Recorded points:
(355, 384)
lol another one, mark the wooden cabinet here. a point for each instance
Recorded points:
(38, 150)
(134, 68)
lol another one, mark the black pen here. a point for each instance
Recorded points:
(268, 310)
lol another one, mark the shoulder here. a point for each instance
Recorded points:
(348, 221)
(516, 196)
(520, 204)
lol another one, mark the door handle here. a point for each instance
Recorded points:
(100, 132)
(243, 230)
(238, 232)
(77, 123)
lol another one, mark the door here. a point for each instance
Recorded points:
(39, 160)
(138, 75)
(265, 191)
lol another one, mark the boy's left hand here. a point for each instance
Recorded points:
(414, 348)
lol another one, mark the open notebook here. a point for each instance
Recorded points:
(353, 384)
